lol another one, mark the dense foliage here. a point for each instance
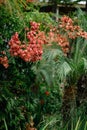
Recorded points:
(43, 68)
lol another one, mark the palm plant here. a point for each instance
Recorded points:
(57, 69)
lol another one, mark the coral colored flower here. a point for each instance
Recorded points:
(4, 61)
(31, 50)
(47, 93)
(3, 52)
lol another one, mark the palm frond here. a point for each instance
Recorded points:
(63, 69)
(43, 73)
(52, 54)
(45, 69)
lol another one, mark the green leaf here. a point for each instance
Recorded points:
(85, 128)
(63, 70)
(85, 63)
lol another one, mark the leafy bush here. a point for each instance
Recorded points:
(37, 16)
(38, 88)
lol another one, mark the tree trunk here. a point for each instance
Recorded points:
(57, 13)
(69, 104)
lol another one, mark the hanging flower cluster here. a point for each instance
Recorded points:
(73, 31)
(31, 50)
(60, 39)
(4, 59)
(65, 30)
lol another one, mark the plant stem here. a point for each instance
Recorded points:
(5, 124)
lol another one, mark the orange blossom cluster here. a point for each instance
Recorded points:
(66, 30)
(73, 31)
(4, 60)
(31, 50)
(60, 39)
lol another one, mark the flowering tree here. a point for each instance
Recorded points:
(64, 68)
